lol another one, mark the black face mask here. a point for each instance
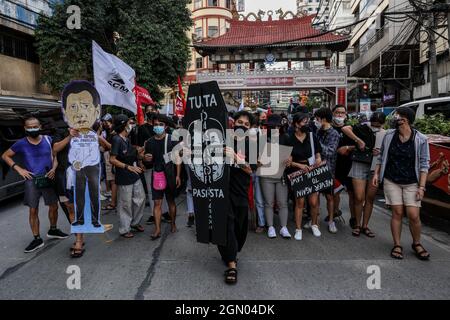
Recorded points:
(236, 128)
(304, 129)
(32, 134)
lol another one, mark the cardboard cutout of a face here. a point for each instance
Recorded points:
(81, 104)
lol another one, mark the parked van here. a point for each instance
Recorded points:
(429, 107)
(12, 112)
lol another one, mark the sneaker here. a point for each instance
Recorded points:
(285, 233)
(260, 230)
(191, 221)
(272, 233)
(34, 245)
(332, 227)
(151, 220)
(103, 198)
(166, 218)
(315, 230)
(307, 225)
(56, 234)
(298, 235)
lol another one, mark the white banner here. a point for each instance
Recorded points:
(114, 79)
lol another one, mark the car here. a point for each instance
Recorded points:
(12, 112)
(429, 107)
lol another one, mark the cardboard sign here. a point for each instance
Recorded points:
(306, 183)
(206, 120)
(81, 107)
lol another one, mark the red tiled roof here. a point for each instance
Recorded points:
(297, 31)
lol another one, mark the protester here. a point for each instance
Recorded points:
(39, 169)
(329, 141)
(146, 132)
(111, 186)
(131, 195)
(305, 154)
(343, 164)
(363, 168)
(255, 134)
(403, 165)
(155, 150)
(61, 147)
(276, 191)
(237, 220)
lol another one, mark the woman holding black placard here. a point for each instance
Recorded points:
(305, 154)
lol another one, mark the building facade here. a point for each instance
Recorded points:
(211, 18)
(385, 51)
(19, 63)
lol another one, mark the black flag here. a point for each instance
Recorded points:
(206, 120)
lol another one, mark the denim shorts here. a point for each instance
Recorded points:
(360, 171)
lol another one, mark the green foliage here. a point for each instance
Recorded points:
(435, 124)
(153, 40)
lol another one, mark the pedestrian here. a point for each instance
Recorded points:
(329, 142)
(343, 164)
(403, 165)
(237, 219)
(305, 154)
(157, 149)
(130, 191)
(275, 191)
(363, 168)
(38, 170)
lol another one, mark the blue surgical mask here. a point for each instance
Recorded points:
(159, 130)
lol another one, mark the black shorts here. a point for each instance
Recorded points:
(347, 182)
(33, 195)
(159, 194)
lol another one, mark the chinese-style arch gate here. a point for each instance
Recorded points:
(281, 40)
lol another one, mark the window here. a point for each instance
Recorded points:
(199, 32)
(213, 3)
(309, 9)
(197, 4)
(438, 107)
(18, 47)
(199, 63)
(213, 31)
(228, 4)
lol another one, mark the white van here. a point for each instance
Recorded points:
(429, 107)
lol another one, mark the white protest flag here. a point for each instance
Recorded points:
(114, 79)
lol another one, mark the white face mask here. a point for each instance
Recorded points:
(339, 121)
(318, 124)
(129, 128)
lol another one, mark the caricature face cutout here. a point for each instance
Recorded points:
(82, 107)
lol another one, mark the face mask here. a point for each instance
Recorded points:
(33, 133)
(128, 128)
(375, 130)
(339, 121)
(317, 124)
(159, 130)
(236, 128)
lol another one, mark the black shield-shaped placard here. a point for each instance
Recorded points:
(206, 120)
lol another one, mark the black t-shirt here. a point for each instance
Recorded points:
(400, 167)
(145, 132)
(302, 151)
(63, 155)
(156, 148)
(127, 154)
(240, 181)
(343, 163)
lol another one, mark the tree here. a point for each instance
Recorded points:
(153, 40)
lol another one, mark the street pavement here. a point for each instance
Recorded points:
(177, 267)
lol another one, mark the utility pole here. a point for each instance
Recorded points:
(432, 55)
